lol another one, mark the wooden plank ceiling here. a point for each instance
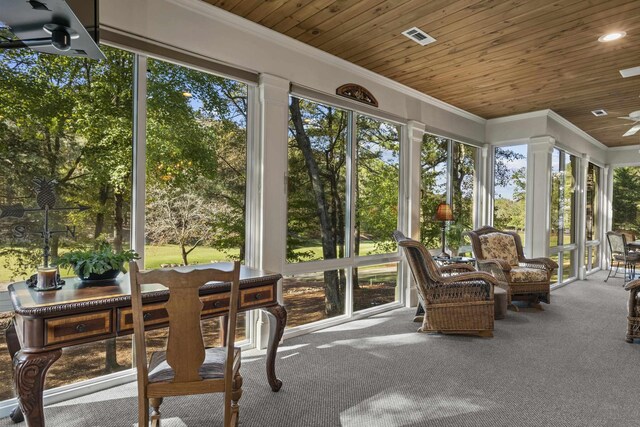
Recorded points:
(491, 58)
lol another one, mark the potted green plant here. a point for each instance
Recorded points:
(103, 264)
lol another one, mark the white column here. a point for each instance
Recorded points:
(410, 193)
(484, 189)
(581, 215)
(139, 155)
(607, 213)
(538, 196)
(267, 195)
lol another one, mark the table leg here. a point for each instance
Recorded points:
(13, 344)
(277, 321)
(224, 328)
(29, 371)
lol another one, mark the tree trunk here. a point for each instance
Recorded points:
(103, 196)
(119, 221)
(333, 301)
(184, 253)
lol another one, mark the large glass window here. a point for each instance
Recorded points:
(67, 121)
(433, 187)
(343, 190)
(626, 193)
(510, 188)
(447, 175)
(564, 168)
(196, 166)
(378, 175)
(316, 205)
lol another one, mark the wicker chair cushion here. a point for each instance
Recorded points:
(499, 246)
(212, 367)
(526, 274)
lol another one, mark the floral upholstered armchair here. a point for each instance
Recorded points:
(500, 253)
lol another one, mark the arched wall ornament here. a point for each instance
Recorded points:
(357, 93)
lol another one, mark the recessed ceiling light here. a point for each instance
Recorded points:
(630, 72)
(612, 36)
(599, 113)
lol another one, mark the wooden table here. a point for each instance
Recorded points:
(45, 322)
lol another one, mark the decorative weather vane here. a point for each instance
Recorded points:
(46, 200)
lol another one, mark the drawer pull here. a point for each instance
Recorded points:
(81, 327)
(146, 316)
(217, 304)
(258, 296)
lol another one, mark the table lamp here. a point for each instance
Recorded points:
(444, 214)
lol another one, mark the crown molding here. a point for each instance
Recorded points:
(634, 147)
(251, 27)
(555, 117)
(567, 124)
(522, 116)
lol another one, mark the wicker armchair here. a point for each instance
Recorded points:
(500, 253)
(633, 319)
(459, 303)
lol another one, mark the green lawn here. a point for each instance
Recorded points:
(170, 254)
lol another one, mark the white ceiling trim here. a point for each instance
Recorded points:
(634, 147)
(522, 116)
(567, 124)
(248, 26)
(554, 116)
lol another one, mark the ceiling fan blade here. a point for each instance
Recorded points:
(628, 118)
(632, 131)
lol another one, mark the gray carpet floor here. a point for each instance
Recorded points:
(566, 366)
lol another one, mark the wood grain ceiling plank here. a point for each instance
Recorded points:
(431, 18)
(301, 13)
(336, 15)
(581, 46)
(457, 35)
(574, 70)
(389, 45)
(552, 94)
(392, 24)
(282, 13)
(329, 12)
(520, 41)
(246, 6)
(264, 9)
(527, 37)
(227, 5)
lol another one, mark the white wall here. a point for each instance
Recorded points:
(221, 36)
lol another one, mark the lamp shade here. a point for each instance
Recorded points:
(443, 213)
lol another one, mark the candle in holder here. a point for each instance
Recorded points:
(47, 278)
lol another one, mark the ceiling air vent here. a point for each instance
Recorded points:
(418, 36)
(599, 113)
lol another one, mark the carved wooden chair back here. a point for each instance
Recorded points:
(185, 352)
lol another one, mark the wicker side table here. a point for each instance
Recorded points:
(500, 299)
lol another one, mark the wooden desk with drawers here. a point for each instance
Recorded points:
(45, 322)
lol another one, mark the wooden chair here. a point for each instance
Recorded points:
(500, 253)
(620, 254)
(186, 367)
(460, 303)
(633, 318)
